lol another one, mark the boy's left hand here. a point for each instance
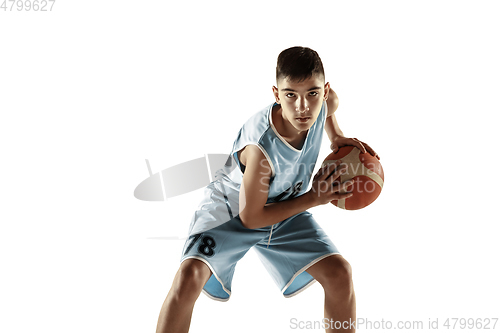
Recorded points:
(341, 141)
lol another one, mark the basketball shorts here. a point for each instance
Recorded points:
(286, 249)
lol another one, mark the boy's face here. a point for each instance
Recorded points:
(301, 101)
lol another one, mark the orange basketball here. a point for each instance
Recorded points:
(367, 173)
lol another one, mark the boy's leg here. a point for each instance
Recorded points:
(334, 274)
(175, 314)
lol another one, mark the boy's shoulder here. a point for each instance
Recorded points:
(258, 123)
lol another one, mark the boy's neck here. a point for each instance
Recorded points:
(286, 130)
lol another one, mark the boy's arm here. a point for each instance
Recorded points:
(334, 133)
(331, 126)
(254, 213)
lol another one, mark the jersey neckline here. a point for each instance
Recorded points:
(282, 139)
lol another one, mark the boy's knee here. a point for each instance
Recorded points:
(190, 279)
(337, 274)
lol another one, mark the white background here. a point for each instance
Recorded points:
(93, 88)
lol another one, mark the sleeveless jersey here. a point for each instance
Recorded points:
(291, 169)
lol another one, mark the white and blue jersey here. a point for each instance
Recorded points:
(291, 168)
(217, 236)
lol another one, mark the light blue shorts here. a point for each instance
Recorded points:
(286, 249)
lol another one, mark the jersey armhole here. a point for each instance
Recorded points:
(242, 167)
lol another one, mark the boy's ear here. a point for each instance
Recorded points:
(327, 90)
(276, 94)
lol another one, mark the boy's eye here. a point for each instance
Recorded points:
(312, 93)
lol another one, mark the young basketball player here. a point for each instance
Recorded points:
(260, 199)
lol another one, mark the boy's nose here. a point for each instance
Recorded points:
(302, 106)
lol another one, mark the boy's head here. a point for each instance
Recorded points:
(298, 63)
(300, 87)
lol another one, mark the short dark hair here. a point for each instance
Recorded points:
(298, 64)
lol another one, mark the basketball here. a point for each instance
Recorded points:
(365, 170)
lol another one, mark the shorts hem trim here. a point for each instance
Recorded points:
(300, 272)
(215, 298)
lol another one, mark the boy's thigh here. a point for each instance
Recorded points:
(228, 242)
(220, 248)
(298, 235)
(295, 245)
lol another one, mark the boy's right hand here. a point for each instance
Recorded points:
(323, 190)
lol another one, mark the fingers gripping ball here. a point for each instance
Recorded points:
(367, 173)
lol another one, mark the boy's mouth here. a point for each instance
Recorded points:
(303, 119)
